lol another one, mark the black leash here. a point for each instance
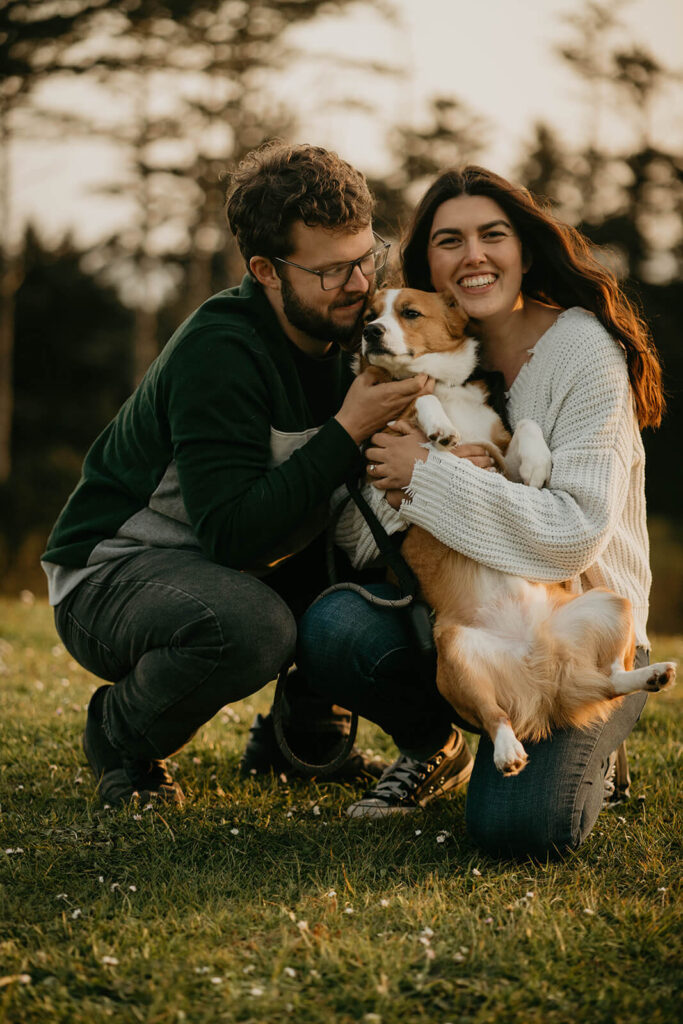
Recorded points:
(419, 618)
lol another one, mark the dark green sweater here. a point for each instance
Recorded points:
(217, 447)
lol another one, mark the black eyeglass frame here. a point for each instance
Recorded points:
(352, 264)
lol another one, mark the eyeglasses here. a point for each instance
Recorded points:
(338, 275)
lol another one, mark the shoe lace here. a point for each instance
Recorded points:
(404, 776)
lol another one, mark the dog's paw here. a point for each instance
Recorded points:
(529, 448)
(444, 438)
(434, 422)
(535, 472)
(509, 756)
(662, 676)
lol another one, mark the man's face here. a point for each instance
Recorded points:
(325, 315)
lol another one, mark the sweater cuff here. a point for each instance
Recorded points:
(425, 492)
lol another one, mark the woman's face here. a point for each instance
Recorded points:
(475, 253)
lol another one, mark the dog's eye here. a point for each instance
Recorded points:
(410, 314)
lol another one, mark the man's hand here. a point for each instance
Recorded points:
(369, 404)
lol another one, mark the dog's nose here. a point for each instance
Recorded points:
(374, 332)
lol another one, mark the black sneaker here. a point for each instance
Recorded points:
(408, 784)
(263, 755)
(123, 778)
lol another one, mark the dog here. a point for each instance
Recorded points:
(515, 658)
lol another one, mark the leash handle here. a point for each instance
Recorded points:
(418, 617)
(308, 768)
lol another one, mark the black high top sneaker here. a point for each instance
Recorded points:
(407, 784)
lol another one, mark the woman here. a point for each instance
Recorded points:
(578, 360)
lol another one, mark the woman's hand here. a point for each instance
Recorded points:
(392, 456)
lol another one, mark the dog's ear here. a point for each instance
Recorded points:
(455, 316)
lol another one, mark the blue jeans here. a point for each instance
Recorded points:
(360, 655)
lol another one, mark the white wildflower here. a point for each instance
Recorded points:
(24, 979)
(132, 888)
(331, 894)
(476, 872)
(302, 926)
(316, 810)
(137, 817)
(384, 903)
(234, 831)
(256, 991)
(418, 831)
(77, 913)
(587, 910)
(348, 910)
(290, 972)
(216, 981)
(110, 961)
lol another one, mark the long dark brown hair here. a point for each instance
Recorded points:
(564, 272)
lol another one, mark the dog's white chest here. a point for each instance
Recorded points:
(467, 410)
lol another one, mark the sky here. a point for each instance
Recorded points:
(497, 57)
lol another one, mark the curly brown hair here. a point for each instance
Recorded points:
(278, 184)
(564, 272)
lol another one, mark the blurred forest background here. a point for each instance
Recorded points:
(79, 325)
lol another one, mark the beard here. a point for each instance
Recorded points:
(320, 325)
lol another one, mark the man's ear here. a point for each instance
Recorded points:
(264, 272)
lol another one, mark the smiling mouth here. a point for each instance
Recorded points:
(481, 281)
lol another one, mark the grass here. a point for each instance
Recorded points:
(261, 902)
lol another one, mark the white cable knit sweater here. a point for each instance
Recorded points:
(588, 524)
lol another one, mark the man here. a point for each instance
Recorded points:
(194, 539)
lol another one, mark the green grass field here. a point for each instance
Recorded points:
(261, 902)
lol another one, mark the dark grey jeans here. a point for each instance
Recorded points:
(361, 655)
(180, 636)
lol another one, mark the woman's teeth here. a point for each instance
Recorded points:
(477, 282)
